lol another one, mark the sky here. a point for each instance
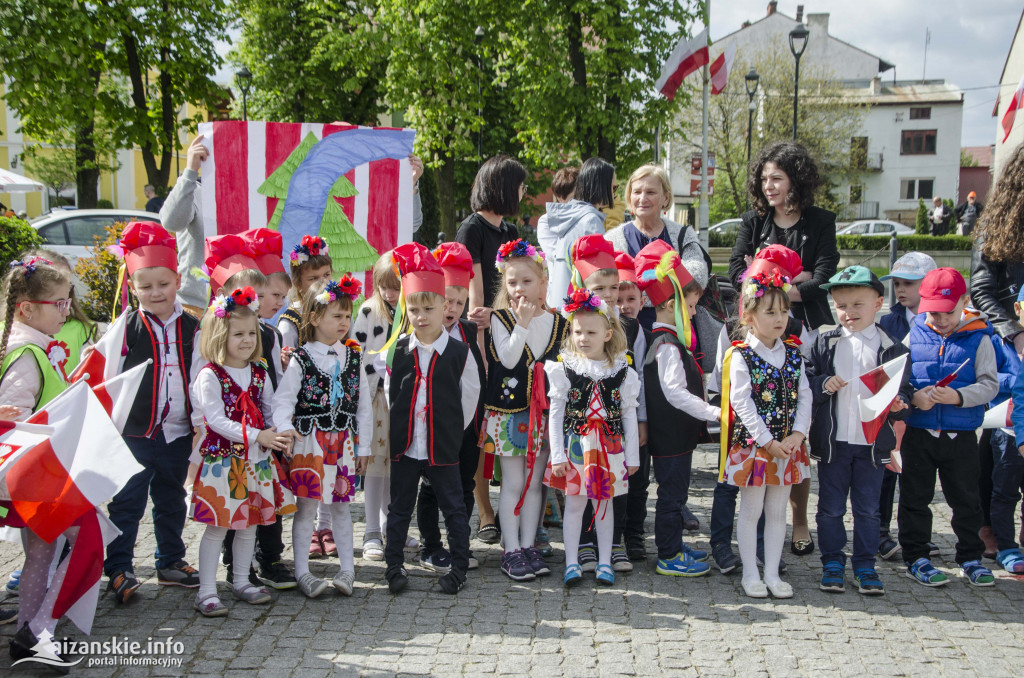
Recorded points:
(969, 42)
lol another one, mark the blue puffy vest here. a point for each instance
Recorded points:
(934, 357)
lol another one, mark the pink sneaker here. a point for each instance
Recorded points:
(327, 539)
(316, 547)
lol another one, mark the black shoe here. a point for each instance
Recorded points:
(253, 579)
(8, 615)
(802, 547)
(22, 647)
(397, 578)
(933, 550)
(635, 549)
(452, 582)
(278, 576)
(887, 548)
(124, 585)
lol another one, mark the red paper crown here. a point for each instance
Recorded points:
(146, 244)
(592, 253)
(784, 258)
(624, 262)
(418, 269)
(652, 265)
(267, 248)
(457, 263)
(227, 255)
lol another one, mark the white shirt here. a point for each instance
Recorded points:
(287, 395)
(289, 332)
(856, 353)
(208, 403)
(672, 376)
(742, 402)
(22, 382)
(639, 356)
(559, 395)
(171, 378)
(470, 382)
(910, 317)
(509, 347)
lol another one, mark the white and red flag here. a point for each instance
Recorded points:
(1011, 110)
(688, 56)
(102, 361)
(883, 383)
(80, 588)
(720, 68)
(999, 416)
(117, 395)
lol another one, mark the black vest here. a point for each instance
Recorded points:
(314, 408)
(140, 339)
(631, 328)
(508, 390)
(581, 392)
(443, 377)
(468, 334)
(671, 432)
(268, 335)
(294, 317)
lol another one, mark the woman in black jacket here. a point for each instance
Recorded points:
(782, 185)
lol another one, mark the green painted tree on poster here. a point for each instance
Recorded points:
(276, 185)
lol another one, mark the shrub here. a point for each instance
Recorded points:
(99, 274)
(906, 243)
(104, 204)
(921, 224)
(716, 239)
(16, 236)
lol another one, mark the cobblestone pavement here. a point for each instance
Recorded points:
(645, 625)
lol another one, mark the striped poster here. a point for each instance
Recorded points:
(243, 154)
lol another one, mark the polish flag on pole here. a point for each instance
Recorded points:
(102, 360)
(117, 395)
(686, 58)
(999, 416)
(1011, 111)
(16, 440)
(720, 68)
(883, 383)
(80, 589)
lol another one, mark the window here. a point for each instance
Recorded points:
(917, 142)
(858, 229)
(882, 227)
(913, 189)
(86, 230)
(921, 113)
(54, 234)
(859, 153)
(856, 194)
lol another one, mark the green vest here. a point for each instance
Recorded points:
(52, 383)
(74, 334)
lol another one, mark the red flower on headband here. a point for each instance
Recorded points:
(581, 300)
(244, 296)
(313, 244)
(350, 287)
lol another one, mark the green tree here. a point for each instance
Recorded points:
(921, 224)
(349, 251)
(54, 167)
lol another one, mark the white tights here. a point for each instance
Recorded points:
(520, 531)
(36, 599)
(242, 547)
(323, 518)
(302, 532)
(572, 522)
(376, 499)
(773, 499)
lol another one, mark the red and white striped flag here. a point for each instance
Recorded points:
(720, 68)
(81, 586)
(1011, 110)
(883, 383)
(999, 416)
(686, 58)
(117, 395)
(102, 361)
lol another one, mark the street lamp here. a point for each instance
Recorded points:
(751, 81)
(478, 37)
(244, 79)
(797, 45)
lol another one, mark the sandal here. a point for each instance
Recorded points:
(573, 575)
(605, 575)
(488, 534)
(802, 547)
(210, 606)
(373, 546)
(254, 595)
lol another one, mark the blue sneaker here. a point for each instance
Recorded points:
(696, 554)
(832, 577)
(13, 582)
(977, 574)
(868, 582)
(605, 575)
(682, 565)
(922, 571)
(1012, 561)
(573, 575)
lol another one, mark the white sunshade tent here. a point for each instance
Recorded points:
(11, 182)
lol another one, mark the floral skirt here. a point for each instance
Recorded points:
(597, 467)
(323, 466)
(508, 435)
(379, 464)
(752, 466)
(239, 493)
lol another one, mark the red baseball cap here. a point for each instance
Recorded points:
(418, 269)
(457, 263)
(146, 244)
(624, 262)
(941, 290)
(592, 253)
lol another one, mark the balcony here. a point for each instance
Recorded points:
(874, 164)
(861, 210)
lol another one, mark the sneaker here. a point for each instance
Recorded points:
(253, 579)
(327, 539)
(277, 576)
(620, 561)
(925, 573)
(977, 574)
(605, 575)
(254, 595)
(682, 565)
(179, 574)
(725, 560)
(587, 558)
(1012, 560)
(311, 585)
(452, 582)
(438, 561)
(933, 550)
(888, 548)
(832, 577)
(343, 582)
(373, 546)
(8, 615)
(124, 585)
(868, 582)
(696, 554)
(635, 549)
(573, 575)
(210, 606)
(397, 578)
(515, 565)
(12, 584)
(316, 547)
(536, 560)
(543, 542)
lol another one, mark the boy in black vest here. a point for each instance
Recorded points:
(158, 430)
(677, 411)
(457, 265)
(431, 384)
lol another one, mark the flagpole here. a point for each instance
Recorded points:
(702, 215)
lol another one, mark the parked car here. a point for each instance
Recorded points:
(727, 227)
(875, 227)
(71, 232)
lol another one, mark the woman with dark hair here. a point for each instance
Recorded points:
(782, 184)
(567, 221)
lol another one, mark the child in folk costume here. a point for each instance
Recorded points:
(521, 338)
(324, 402)
(595, 445)
(239, 485)
(764, 427)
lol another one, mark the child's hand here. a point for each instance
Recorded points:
(897, 405)
(481, 317)
(922, 399)
(361, 464)
(524, 310)
(834, 383)
(632, 469)
(9, 413)
(641, 429)
(559, 470)
(776, 449)
(945, 395)
(286, 356)
(792, 442)
(272, 440)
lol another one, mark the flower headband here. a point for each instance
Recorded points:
(30, 265)
(759, 283)
(517, 248)
(583, 300)
(310, 246)
(223, 305)
(346, 287)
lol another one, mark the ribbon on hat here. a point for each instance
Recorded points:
(666, 270)
(396, 322)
